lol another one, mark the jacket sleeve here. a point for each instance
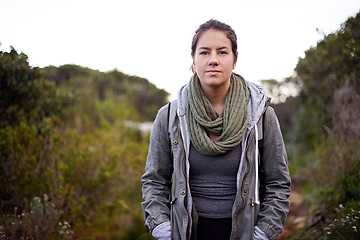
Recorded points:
(274, 178)
(157, 177)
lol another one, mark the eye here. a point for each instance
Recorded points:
(222, 52)
(203, 53)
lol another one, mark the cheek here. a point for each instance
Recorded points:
(196, 61)
(197, 64)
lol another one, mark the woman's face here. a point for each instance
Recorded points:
(214, 60)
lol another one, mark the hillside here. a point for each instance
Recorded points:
(321, 127)
(69, 164)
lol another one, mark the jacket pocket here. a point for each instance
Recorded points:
(254, 212)
(179, 219)
(255, 209)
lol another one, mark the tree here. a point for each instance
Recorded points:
(330, 66)
(25, 95)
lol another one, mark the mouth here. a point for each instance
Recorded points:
(213, 71)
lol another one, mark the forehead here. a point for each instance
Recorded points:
(213, 38)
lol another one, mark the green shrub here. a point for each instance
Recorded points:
(39, 219)
(80, 153)
(346, 225)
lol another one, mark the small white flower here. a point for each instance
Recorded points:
(46, 197)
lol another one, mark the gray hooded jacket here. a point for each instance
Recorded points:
(263, 186)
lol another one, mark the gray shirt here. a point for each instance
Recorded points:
(213, 182)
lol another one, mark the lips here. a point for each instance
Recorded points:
(213, 71)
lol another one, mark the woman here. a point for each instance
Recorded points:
(217, 166)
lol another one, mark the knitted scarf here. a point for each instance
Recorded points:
(202, 117)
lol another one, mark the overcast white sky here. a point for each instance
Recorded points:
(152, 39)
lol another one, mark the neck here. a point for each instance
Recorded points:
(217, 96)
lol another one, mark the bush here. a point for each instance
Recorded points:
(80, 153)
(39, 219)
(92, 179)
(346, 225)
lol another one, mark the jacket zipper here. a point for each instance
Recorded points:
(182, 162)
(183, 150)
(183, 167)
(242, 185)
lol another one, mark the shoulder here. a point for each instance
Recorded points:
(254, 88)
(270, 112)
(270, 115)
(271, 123)
(167, 109)
(165, 112)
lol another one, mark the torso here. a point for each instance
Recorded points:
(213, 182)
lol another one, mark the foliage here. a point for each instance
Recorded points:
(345, 225)
(24, 154)
(91, 86)
(73, 145)
(333, 64)
(321, 126)
(25, 95)
(342, 222)
(321, 123)
(38, 220)
(328, 112)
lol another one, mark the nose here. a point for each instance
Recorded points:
(213, 60)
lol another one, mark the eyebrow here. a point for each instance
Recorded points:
(220, 48)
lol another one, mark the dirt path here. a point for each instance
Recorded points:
(297, 217)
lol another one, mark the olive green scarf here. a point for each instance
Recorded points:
(202, 117)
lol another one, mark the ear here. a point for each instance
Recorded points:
(193, 68)
(235, 60)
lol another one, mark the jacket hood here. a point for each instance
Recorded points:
(256, 105)
(181, 100)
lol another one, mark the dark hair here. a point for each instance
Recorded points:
(216, 25)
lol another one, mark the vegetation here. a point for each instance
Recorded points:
(69, 165)
(322, 130)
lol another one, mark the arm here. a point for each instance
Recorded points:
(157, 177)
(275, 179)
